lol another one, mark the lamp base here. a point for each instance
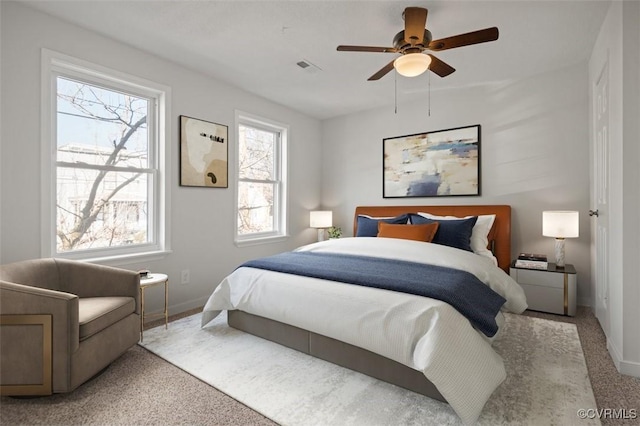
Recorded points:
(320, 234)
(559, 249)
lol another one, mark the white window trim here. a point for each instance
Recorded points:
(283, 199)
(51, 62)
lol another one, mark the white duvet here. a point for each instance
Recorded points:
(422, 333)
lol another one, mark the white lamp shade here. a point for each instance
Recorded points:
(321, 219)
(560, 224)
(412, 64)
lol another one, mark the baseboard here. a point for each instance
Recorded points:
(188, 305)
(584, 302)
(615, 354)
(628, 368)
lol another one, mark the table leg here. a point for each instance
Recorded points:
(166, 304)
(141, 314)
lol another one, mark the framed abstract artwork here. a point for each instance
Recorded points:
(204, 153)
(432, 164)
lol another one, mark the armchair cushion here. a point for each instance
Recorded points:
(90, 280)
(97, 313)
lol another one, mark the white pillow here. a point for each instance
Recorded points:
(479, 234)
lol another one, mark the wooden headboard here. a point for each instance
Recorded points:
(501, 226)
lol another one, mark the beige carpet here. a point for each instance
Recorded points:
(547, 378)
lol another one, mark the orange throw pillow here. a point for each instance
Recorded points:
(423, 232)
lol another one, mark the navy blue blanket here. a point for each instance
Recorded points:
(460, 289)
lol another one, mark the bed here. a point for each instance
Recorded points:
(416, 342)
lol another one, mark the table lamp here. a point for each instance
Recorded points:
(560, 225)
(321, 219)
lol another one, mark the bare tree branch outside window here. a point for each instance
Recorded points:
(258, 180)
(103, 170)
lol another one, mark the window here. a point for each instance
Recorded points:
(105, 177)
(261, 184)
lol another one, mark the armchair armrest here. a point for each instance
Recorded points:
(91, 280)
(24, 300)
(63, 307)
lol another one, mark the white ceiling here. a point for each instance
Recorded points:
(256, 45)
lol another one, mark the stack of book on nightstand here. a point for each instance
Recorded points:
(531, 261)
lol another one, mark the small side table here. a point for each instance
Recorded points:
(152, 280)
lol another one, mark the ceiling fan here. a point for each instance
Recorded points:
(414, 40)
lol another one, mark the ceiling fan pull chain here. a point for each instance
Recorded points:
(395, 92)
(429, 96)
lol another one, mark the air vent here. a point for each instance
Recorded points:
(308, 67)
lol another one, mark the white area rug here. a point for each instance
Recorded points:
(547, 381)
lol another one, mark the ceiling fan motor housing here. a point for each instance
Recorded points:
(404, 46)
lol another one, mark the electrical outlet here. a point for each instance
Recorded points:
(185, 276)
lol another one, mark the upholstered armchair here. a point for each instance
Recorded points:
(62, 322)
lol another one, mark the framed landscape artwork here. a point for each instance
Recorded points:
(204, 153)
(432, 164)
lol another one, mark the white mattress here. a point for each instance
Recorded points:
(422, 333)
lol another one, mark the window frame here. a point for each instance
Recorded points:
(54, 65)
(280, 233)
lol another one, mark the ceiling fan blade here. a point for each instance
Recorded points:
(383, 71)
(439, 67)
(343, 48)
(475, 37)
(415, 21)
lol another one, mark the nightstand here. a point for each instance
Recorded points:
(152, 280)
(552, 290)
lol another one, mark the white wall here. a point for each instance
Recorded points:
(618, 43)
(202, 219)
(534, 148)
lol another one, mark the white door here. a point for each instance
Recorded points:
(600, 198)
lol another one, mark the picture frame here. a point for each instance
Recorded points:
(440, 163)
(204, 153)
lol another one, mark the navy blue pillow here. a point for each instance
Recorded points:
(452, 233)
(368, 227)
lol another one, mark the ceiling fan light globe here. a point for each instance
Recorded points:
(412, 64)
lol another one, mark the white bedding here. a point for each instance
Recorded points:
(422, 333)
